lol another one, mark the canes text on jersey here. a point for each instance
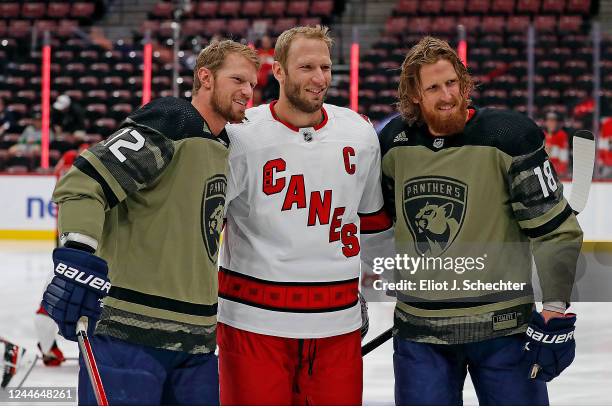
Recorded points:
(319, 207)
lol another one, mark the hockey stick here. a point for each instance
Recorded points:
(583, 151)
(90, 362)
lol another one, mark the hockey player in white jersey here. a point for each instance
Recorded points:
(303, 189)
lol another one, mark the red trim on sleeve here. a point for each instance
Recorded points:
(375, 222)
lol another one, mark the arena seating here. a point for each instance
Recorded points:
(107, 82)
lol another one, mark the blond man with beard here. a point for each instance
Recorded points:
(467, 183)
(303, 192)
(147, 201)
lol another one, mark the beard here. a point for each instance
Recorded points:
(446, 125)
(292, 91)
(222, 105)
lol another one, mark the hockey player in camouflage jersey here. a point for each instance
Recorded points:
(149, 202)
(472, 191)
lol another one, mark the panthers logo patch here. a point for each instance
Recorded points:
(213, 200)
(434, 210)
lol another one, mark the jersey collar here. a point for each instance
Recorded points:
(292, 127)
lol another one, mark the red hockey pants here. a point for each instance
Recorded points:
(256, 369)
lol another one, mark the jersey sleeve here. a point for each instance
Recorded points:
(375, 224)
(129, 160)
(546, 217)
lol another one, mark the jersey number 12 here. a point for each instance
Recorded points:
(114, 144)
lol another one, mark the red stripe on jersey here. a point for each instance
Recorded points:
(296, 297)
(295, 128)
(375, 222)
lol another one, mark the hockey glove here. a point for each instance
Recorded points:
(79, 283)
(365, 320)
(550, 347)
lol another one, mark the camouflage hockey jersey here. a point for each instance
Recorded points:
(471, 209)
(152, 195)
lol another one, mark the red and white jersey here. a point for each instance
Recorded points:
(297, 202)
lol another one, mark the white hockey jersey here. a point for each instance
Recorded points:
(297, 203)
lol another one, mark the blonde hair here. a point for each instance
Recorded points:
(283, 42)
(213, 56)
(428, 51)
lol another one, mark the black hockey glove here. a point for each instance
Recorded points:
(79, 283)
(550, 347)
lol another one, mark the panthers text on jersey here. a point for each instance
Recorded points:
(474, 207)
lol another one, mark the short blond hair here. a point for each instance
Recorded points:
(428, 51)
(283, 42)
(213, 56)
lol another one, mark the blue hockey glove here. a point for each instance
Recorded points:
(79, 283)
(550, 347)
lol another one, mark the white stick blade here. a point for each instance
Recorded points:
(582, 170)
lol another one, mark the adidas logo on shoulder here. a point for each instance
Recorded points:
(400, 138)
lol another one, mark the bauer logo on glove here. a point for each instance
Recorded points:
(80, 281)
(82, 277)
(550, 347)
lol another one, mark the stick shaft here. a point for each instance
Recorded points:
(90, 364)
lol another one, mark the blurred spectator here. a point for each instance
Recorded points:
(67, 159)
(7, 119)
(67, 115)
(604, 148)
(266, 56)
(30, 139)
(557, 144)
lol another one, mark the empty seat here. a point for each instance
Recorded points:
(283, 24)
(553, 6)
(545, 23)
(229, 9)
(33, 10)
(579, 6)
(63, 83)
(162, 10)
(478, 6)
(419, 25)
(207, 9)
(297, 8)
(58, 10)
(310, 21)
(517, 24)
(444, 25)
(407, 7)
(321, 8)
(238, 26)
(528, 6)
(454, 6)
(19, 28)
(274, 9)
(9, 10)
(492, 24)
(396, 25)
(252, 8)
(430, 7)
(120, 111)
(82, 10)
(570, 24)
(214, 26)
(502, 7)
(105, 126)
(471, 23)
